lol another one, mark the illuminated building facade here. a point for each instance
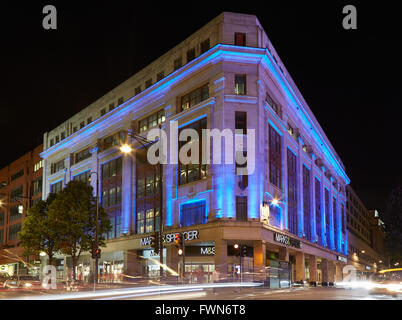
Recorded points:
(20, 188)
(366, 236)
(288, 215)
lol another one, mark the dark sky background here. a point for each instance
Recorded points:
(349, 78)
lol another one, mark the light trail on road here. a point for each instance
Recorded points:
(132, 292)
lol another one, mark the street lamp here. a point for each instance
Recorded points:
(126, 148)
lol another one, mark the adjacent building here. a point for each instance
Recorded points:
(20, 187)
(288, 215)
(366, 236)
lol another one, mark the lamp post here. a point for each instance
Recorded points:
(95, 251)
(127, 149)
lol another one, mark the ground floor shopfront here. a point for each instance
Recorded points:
(13, 262)
(263, 254)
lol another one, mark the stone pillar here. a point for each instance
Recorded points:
(132, 265)
(221, 257)
(172, 259)
(313, 270)
(259, 260)
(312, 205)
(338, 272)
(285, 222)
(126, 192)
(284, 254)
(331, 271)
(299, 182)
(324, 272)
(300, 266)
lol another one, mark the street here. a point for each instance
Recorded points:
(199, 293)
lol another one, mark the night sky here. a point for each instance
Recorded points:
(349, 78)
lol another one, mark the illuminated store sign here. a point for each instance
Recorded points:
(200, 251)
(343, 259)
(170, 237)
(287, 240)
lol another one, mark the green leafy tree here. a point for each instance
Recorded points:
(75, 208)
(40, 230)
(392, 218)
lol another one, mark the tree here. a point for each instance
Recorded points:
(75, 208)
(392, 217)
(40, 229)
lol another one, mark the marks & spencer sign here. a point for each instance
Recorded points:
(284, 239)
(170, 237)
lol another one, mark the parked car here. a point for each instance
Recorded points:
(23, 282)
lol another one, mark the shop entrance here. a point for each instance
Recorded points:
(199, 273)
(111, 271)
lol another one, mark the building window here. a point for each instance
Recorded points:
(292, 192)
(306, 203)
(1, 219)
(241, 208)
(83, 177)
(111, 197)
(82, 155)
(57, 166)
(13, 231)
(152, 121)
(240, 39)
(148, 83)
(241, 121)
(16, 194)
(275, 216)
(75, 129)
(37, 186)
(335, 215)
(115, 221)
(204, 46)
(57, 139)
(52, 142)
(112, 168)
(327, 226)
(318, 210)
(193, 213)
(113, 140)
(147, 196)
(137, 90)
(38, 165)
(275, 158)
(121, 99)
(103, 112)
(82, 125)
(160, 76)
(62, 135)
(194, 97)
(177, 64)
(343, 218)
(111, 106)
(89, 120)
(1, 236)
(16, 213)
(56, 187)
(240, 84)
(273, 105)
(193, 172)
(190, 55)
(17, 175)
